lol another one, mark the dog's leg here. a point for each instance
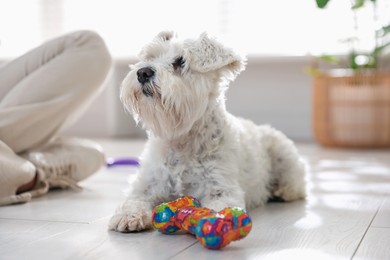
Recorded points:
(288, 170)
(216, 189)
(133, 215)
(136, 212)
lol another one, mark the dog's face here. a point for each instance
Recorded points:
(176, 81)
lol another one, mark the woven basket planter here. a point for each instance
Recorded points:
(352, 110)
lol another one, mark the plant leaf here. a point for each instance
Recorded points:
(330, 59)
(379, 49)
(372, 62)
(352, 61)
(313, 72)
(383, 31)
(322, 3)
(358, 4)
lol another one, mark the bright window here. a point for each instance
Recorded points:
(259, 27)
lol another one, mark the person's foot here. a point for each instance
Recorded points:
(15, 172)
(66, 161)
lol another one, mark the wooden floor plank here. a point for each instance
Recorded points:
(99, 198)
(18, 234)
(375, 245)
(382, 219)
(42, 240)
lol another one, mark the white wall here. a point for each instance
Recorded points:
(274, 91)
(271, 90)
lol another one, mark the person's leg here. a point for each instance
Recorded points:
(40, 93)
(46, 88)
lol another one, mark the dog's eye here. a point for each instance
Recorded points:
(178, 63)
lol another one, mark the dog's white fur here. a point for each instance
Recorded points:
(195, 147)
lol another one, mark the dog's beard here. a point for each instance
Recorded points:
(163, 119)
(150, 89)
(167, 115)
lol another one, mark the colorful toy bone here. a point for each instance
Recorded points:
(214, 230)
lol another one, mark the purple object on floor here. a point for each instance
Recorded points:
(125, 161)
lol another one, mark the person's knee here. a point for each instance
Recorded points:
(96, 59)
(92, 42)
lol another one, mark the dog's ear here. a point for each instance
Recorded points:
(153, 49)
(209, 55)
(166, 35)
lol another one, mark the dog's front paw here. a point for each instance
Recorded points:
(131, 216)
(128, 222)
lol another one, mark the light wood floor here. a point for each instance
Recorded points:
(346, 216)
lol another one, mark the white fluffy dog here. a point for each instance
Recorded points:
(195, 147)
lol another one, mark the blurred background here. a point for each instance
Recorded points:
(279, 37)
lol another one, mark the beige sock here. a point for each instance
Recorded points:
(14, 172)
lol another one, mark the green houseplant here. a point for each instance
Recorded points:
(351, 106)
(357, 60)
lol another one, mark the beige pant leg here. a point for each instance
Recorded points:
(46, 89)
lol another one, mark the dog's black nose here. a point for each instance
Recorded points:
(145, 74)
